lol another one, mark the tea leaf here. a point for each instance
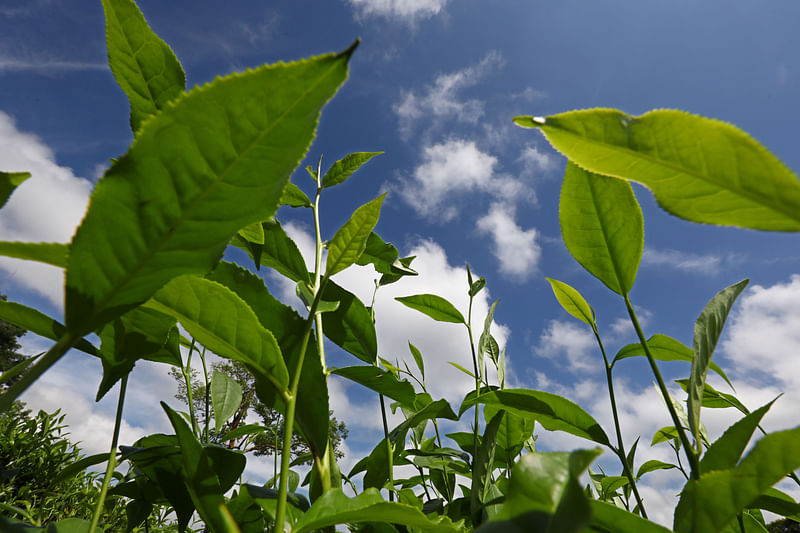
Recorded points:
(294, 197)
(708, 504)
(345, 167)
(487, 345)
(602, 227)
(349, 241)
(609, 517)
(380, 381)
(725, 452)
(707, 331)
(252, 233)
(334, 507)
(10, 181)
(665, 348)
(699, 169)
(212, 162)
(144, 66)
(514, 430)
(715, 399)
(664, 434)
(434, 306)
(51, 253)
(418, 359)
(482, 467)
(401, 267)
(37, 322)
(223, 323)
(552, 411)
(778, 502)
(572, 301)
(654, 464)
(350, 326)
(281, 253)
(226, 396)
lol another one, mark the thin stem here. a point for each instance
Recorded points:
(187, 377)
(688, 450)
(620, 451)
(112, 455)
(477, 382)
(208, 394)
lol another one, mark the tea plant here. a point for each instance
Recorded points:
(209, 168)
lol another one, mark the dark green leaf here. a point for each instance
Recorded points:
(602, 227)
(572, 301)
(434, 306)
(698, 168)
(725, 452)
(514, 430)
(10, 181)
(81, 465)
(294, 197)
(246, 430)
(654, 464)
(402, 268)
(608, 517)
(350, 326)
(144, 65)
(349, 241)
(281, 253)
(214, 161)
(714, 399)
(51, 253)
(226, 396)
(37, 322)
(482, 467)
(778, 502)
(707, 331)
(252, 233)
(345, 167)
(417, 359)
(380, 381)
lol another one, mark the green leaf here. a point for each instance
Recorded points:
(708, 504)
(714, 399)
(778, 502)
(18, 369)
(572, 301)
(434, 306)
(345, 167)
(77, 467)
(10, 181)
(487, 345)
(552, 411)
(699, 169)
(350, 325)
(654, 464)
(609, 517)
(482, 468)
(37, 322)
(334, 507)
(281, 253)
(602, 227)
(665, 434)
(294, 197)
(725, 452)
(199, 476)
(223, 323)
(385, 257)
(380, 381)
(212, 162)
(247, 513)
(707, 331)
(51, 253)
(402, 268)
(144, 65)
(418, 359)
(252, 233)
(242, 431)
(664, 348)
(141, 333)
(514, 430)
(349, 241)
(226, 396)
(70, 525)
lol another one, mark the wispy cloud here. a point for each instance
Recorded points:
(408, 11)
(706, 264)
(46, 65)
(441, 100)
(516, 249)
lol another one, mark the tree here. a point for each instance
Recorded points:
(785, 525)
(9, 357)
(264, 443)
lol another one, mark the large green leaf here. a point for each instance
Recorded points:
(350, 325)
(707, 330)
(226, 396)
(349, 241)
(10, 181)
(553, 412)
(434, 306)
(334, 507)
(380, 381)
(609, 517)
(514, 430)
(708, 504)
(714, 399)
(725, 452)
(223, 323)
(602, 227)
(664, 348)
(385, 257)
(212, 162)
(572, 301)
(51, 253)
(482, 467)
(700, 169)
(345, 167)
(288, 327)
(37, 322)
(278, 251)
(144, 65)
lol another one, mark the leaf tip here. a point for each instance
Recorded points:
(350, 49)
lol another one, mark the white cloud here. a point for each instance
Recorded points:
(441, 100)
(536, 161)
(45, 208)
(516, 249)
(706, 264)
(45, 66)
(571, 340)
(406, 10)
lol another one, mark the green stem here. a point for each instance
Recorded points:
(477, 382)
(112, 455)
(688, 450)
(208, 394)
(187, 377)
(620, 451)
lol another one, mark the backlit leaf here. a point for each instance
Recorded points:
(700, 169)
(725, 452)
(380, 381)
(349, 241)
(226, 396)
(51, 253)
(482, 467)
(418, 359)
(294, 197)
(654, 464)
(602, 227)
(434, 306)
(37, 322)
(572, 301)
(10, 181)
(350, 325)
(345, 167)
(216, 160)
(609, 517)
(281, 253)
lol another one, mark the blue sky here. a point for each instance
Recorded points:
(434, 85)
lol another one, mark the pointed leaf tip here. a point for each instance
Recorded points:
(350, 49)
(527, 121)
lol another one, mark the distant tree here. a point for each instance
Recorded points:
(9, 356)
(264, 443)
(785, 525)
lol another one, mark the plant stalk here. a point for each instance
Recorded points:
(112, 455)
(688, 449)
(620, 451)
(207, 395)
(477, 382)
(187, 377)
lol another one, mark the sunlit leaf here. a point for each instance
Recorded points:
(51, 253)
(345, 167)
(572, 301)
(349, 241)
(652, 465)
(418, 359)
(294, 197)
(253, 233)
(281, 253)
(380, 381)
(602, 227)
(434, 306)
(226, 396)
(350, 325)
(725, 452)
(700, 169)
(10, 181)
(608, 517)
(482, 467)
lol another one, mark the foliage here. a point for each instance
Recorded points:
(209, 168)
(9, 355)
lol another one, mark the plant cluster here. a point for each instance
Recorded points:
(210, 167)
